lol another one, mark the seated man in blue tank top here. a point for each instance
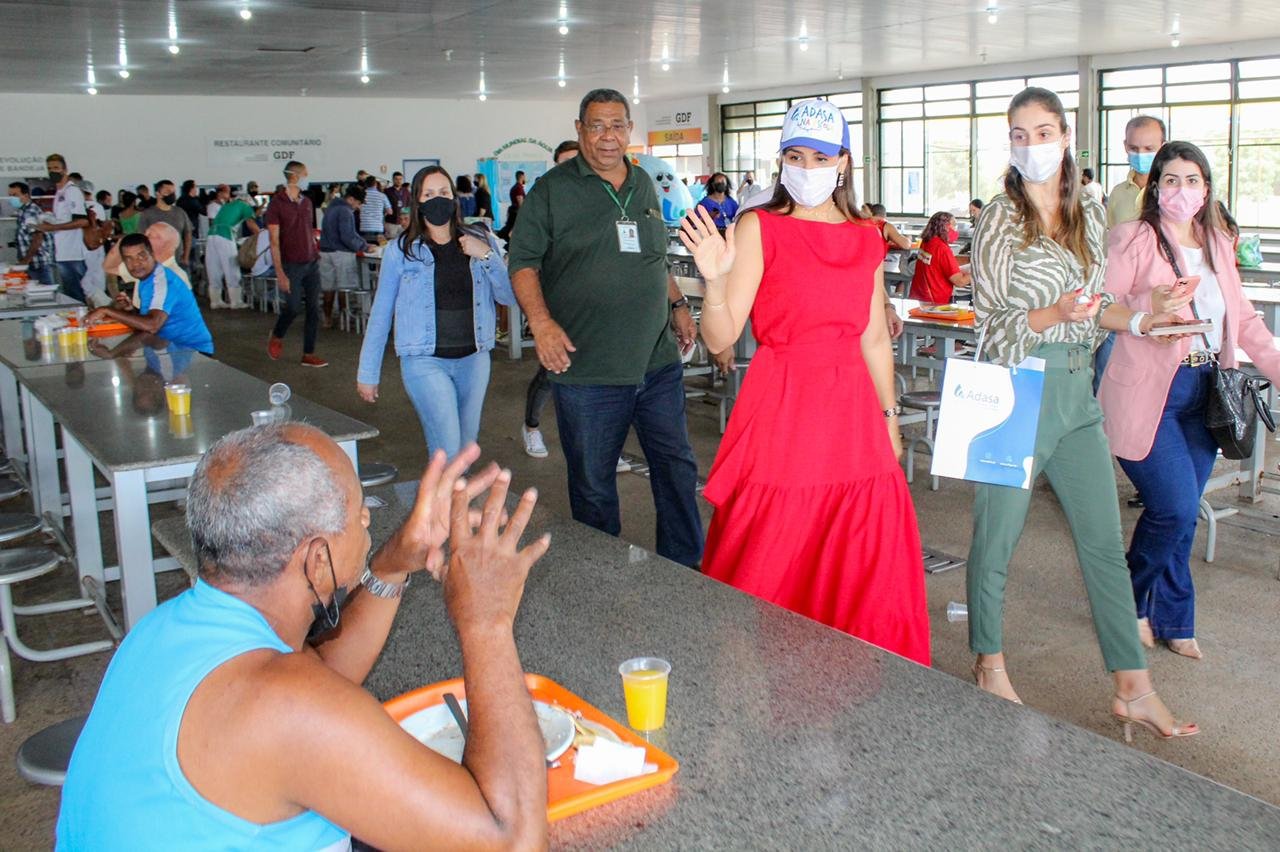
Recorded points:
(162, 305)
(219, 725)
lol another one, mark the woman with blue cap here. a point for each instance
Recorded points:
(812, 508)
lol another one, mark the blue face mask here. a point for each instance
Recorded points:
(1141, 163)
(14, 201)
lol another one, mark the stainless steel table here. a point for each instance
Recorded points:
(114, 418)
(19, 305)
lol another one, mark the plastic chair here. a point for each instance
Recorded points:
(929, 402)
(44, 756)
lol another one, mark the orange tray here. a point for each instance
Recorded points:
(103, 329)
(946, 316)
(565, 796)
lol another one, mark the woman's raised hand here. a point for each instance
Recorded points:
(713, 253)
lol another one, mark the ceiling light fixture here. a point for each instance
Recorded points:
(364, 63)
(635, 89)
(563, 20)
(560, 81)
(993, 13)
(123, 59)
(666, 57)
(804, 36)
(1175, 37)
(173, 29)
(245, 12)
(725, 78)
(483, 94)
(90, 77)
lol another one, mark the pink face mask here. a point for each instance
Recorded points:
(1180, 204)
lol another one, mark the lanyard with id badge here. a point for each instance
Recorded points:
(628, 229)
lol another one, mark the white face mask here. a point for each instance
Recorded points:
(1037, 163)
(810, 187)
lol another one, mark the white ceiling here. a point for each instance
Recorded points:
(47, 45)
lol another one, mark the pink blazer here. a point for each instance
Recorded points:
(1136, 383)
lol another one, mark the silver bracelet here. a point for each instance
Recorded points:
(381, 588)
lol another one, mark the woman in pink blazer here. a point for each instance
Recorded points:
(1154, 391)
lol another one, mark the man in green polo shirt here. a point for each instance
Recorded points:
(588, 260)
(1143, 137)
(221, 265)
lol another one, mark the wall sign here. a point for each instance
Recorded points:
(241, 151)
(523, 140)
(22, 166)
(691, 135)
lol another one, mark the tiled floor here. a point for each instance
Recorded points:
(1053, 657)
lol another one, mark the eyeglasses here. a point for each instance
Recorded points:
(618, 128)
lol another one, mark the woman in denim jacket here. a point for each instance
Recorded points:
(439, 283)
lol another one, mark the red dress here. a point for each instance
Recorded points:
(812, 510)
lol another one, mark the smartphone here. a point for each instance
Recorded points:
(1186, 284)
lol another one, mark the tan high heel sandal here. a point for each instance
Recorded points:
(1189, 648)
(1145, 636)
(979, 668)
(1179, 729)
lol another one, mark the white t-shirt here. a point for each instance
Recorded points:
(1209, 301)
(1093, 190)
(69, 202)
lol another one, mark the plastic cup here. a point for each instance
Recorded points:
(263, 417)
(82, 336)
(957, 612)
(279, 393)
(67, 337)
(80, 313)
(644, 686)
(179, 399)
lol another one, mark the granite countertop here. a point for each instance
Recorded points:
(790, 734)
(116, 408)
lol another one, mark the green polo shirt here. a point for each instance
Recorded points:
(612, 304)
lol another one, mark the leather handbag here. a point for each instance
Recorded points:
(1235, 400)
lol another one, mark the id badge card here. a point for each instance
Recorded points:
(628, 237)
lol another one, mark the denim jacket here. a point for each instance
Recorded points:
(406, 291)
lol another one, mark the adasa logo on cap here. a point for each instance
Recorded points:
(816, 124)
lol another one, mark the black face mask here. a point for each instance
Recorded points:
(55, 177)
(327, 615)
(438, 210)
(169, 198)
(719, 186)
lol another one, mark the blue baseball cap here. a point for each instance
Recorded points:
(816, 124)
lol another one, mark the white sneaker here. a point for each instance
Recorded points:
(623, 465)
(216, 306)
(534, 446)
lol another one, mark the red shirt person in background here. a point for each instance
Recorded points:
(937, 272)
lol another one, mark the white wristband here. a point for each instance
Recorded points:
(1135, 323)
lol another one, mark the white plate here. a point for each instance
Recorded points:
(435, 728)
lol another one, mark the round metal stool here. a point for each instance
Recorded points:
(10, 488)
(929, 402)
(17, 525)
(44, 757)
(377, 473)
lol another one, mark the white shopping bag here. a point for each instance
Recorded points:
(987, 421)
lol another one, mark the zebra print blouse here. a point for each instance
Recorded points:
(1009, 281)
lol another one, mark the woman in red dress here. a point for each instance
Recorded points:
(812, 508)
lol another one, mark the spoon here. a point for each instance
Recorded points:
(456, 709)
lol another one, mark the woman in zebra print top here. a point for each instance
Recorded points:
(1038, 264)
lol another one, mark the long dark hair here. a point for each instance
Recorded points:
(417, 230)
(938, 224)
(1070, 232)
(728, 184)
(845, 198)
(1208, 220)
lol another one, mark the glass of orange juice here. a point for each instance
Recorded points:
(179, 398)
(644, 686)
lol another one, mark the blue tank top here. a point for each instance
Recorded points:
(125, 789)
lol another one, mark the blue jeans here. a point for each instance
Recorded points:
(1100, 359)
(304, 283)
(1171, 479)
(594, 421)
(448, 394)
(43, 274)
(70, 274)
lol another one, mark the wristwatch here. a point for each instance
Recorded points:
(682, 302)
(381, 588)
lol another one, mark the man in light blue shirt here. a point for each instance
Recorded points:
(162, 305)
(373, 213)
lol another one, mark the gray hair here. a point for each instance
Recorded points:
(603, 96)
(255, 496)
(1142, 120)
